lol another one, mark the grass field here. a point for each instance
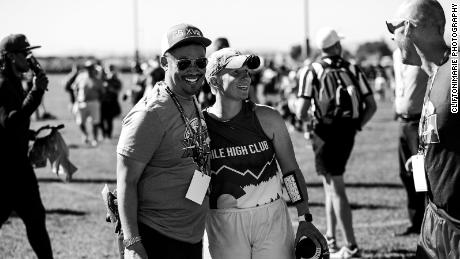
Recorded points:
(75, 212)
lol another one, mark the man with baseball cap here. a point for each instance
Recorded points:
(18, 187)
(162, 171)
(343, 104)
(249, 217)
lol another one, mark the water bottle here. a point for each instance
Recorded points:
(308, 248)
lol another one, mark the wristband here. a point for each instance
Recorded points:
(131, 241)
(293, 187)
(307, 217)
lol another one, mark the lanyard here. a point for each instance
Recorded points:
(200, 152)
(421, 145)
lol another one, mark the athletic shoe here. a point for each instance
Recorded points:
(93, 143)
(345, 253)
(331, 244)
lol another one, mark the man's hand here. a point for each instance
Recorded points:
(136, 251)
(41, 81)
(309, 230)
(408, 166)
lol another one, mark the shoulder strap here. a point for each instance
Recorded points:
(323, 63)
(315, 82)
(356, 72)
(311, 68)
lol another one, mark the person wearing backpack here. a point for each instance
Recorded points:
(342, 103)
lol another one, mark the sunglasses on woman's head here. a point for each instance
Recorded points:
(184, 63)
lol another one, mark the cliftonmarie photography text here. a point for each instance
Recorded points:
(454, 61)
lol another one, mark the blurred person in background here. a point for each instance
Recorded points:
(110, 107)
(418, 29)
(388, 68)
(141, 74)
(163, 154)
(19, 187)
(410, 88)
(69, 80)
(381, 83)
(205, 97)
(247, 143)
(343, 103)
(268, 89)
(155, 74)
(88, 89)
(219, 44)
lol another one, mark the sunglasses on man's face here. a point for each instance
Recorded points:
(393, 25)
(184, 63)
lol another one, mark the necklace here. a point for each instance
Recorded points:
(199, 146)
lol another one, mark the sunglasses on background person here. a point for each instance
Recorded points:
(184, 63)
(395, 24)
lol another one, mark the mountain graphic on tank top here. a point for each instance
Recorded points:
(244, 171)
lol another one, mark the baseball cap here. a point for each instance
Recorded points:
(327, 37)
(15, 43)
(89, 64)
(229, 58)
(182, 33)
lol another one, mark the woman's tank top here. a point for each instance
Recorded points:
(244, 170)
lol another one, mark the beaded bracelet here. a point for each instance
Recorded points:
(131, 241)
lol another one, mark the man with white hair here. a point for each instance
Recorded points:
(343, 103)
(418, 31)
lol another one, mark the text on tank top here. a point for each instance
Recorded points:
(243, 163)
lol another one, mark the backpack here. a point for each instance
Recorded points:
(338, 95)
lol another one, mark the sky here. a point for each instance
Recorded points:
(106, 27)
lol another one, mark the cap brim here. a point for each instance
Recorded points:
(236, 62)
(32, 47)
(198, 40)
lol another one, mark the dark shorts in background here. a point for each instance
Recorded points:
(332, 145)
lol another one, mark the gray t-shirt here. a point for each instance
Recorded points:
(153, 132)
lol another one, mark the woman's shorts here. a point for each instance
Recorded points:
(260, 232)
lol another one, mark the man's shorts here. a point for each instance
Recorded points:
(332, 146)
(260, 232)
(85, 110)
(440, 235)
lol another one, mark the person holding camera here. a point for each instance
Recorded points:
(249, 217)
(19, 187)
